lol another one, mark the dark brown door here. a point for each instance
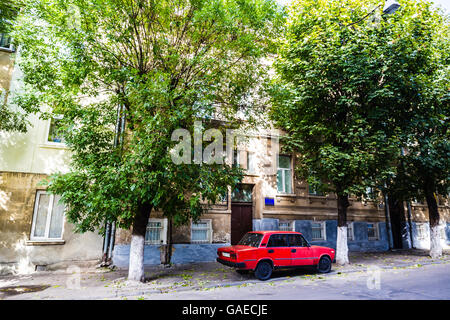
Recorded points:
(241, 221)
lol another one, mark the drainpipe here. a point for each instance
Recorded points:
(408, 206)
(109, 238)
(106, 242)
(112, 240)
(388, 220)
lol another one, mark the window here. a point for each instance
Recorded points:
(5, 41)
(278, 240)
(48, 217)
(421, 229)
(284, 184)
(156, 231)
(296, 240)
(201, 231)
(54, 131)
(350, 233)
(286, 226)
(314, 192)
(443, 232)
(236, 159)
(242, 193)
(318, 231)
(250, 162)
(372, 231)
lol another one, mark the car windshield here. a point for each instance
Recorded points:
(251, 239)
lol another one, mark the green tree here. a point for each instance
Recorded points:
(424, 129)
(166, 63)
(347, 77)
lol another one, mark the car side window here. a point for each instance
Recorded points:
(296, 240)
(278, 240)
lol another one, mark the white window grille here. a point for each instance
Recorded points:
(201, 231)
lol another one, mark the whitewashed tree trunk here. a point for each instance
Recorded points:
(341, 246)
(136, 266)
(435, 242)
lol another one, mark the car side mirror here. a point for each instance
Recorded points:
(263, 244)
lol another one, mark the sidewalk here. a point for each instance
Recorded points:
(103, 283)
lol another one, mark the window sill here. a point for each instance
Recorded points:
(291, 195)
(44, 242)
(54, 145)
(7, 50)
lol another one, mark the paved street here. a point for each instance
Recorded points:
(427, 282)
(388, 275)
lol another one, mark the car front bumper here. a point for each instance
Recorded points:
(231, 264)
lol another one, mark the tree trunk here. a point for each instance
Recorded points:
(433, 215)
(136, 267)
(341, 241)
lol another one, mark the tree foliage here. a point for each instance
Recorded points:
(167, 63)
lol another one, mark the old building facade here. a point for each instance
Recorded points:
(34, 232)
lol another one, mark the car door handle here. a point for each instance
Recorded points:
(270, 251)
(293, 250)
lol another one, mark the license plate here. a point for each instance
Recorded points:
(226, 254)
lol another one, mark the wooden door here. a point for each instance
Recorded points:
(241, 221)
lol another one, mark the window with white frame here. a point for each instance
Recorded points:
(372, 231)
(422, 231)
(54, 131)
(284, 174)
(156, 232)
(251, 162)
(201, 231)
(286, 225)
(350, 232)
(443, 232)
(318, 231)
(48, 217)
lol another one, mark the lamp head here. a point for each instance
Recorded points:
(390, 6)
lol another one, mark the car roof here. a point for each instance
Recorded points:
(274, 232)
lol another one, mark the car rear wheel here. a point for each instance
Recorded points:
(263, 271)
(324, 265)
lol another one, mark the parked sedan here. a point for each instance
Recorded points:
(264, 251)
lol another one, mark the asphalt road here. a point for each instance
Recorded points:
(429, 282)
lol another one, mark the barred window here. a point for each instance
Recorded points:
(156, 231)
(421, 229)
(201, 231)
(285, 226)
(372, 231)
(318, 231)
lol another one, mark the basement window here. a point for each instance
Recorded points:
(350, 232)
(156, 232)
(48, 217)
(372, 231)
(318, 231)
(201, 231)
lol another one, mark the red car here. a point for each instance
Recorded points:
(264, 251)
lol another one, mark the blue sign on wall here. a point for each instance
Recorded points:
(269, 201)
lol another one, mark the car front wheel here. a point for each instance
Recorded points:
(263, 271)
(324, 265)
